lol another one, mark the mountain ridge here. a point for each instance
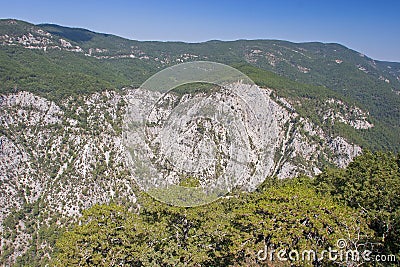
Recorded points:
(112, 62)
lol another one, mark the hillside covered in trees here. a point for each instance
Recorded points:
(358, 205)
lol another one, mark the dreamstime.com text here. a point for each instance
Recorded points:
(338, 254)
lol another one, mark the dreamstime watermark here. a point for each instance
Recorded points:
(340, 253)
(214, 137)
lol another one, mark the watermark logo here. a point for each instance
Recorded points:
(189, 149)
(340, 253)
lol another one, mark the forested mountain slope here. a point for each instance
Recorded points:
(63, 95)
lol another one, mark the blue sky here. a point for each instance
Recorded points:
(371, 27)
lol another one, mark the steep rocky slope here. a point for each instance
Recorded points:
(57, 159)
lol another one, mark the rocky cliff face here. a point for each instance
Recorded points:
(62, 158)
(59, 159)
(268, 138)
